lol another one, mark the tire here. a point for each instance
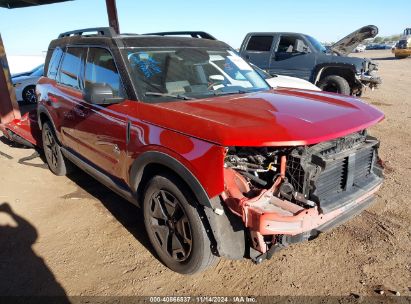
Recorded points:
(29, 94)
(401, 56)
(174, 226)
(55, 159)
(335, 84)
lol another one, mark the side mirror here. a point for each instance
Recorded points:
(100, 94)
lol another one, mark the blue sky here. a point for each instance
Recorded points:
(28, 31)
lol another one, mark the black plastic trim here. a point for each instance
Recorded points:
(154, 157)
(194, 34)
(100, 176)
(101, 31)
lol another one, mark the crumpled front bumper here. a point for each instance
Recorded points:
(285, 218)
(371, 81)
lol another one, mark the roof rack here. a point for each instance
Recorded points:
(95, 31)
(194, 34)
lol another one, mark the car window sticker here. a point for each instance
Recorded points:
(145, 63)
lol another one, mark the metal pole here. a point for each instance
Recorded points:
(9, 108)
(112, 15)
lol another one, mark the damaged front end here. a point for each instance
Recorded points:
(367, 77)
(291, 194)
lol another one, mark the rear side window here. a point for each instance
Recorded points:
(54, 63)
(100, 68)
(260, 43)
(71, 67)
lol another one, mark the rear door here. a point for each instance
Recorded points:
(101, 129)
(257, 50)
(292, 57)
(68, 94)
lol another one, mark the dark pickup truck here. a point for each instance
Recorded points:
(302, 56)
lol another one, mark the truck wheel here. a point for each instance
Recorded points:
(335, 84)
(174, 226)
(55, 159)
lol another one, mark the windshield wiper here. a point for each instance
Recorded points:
(178, 96)
(219, 93)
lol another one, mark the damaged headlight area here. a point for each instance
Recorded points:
(289, 194)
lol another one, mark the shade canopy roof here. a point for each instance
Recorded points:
(25, 3)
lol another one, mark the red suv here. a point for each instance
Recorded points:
(222, 165)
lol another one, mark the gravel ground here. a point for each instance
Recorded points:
(72, 236)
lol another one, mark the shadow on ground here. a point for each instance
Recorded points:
(384, 58)
(22, 272)
(130, 216)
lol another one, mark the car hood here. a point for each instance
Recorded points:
(282, 117)
(347, 45)
(291, 82)
(20, 74)
(22, 78)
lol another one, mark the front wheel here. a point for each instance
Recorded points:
(335, 84)
(174, 226)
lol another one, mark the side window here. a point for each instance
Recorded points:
(71, 67)
(54, 63)
(292, 44)
(100, 68)
(260, 43)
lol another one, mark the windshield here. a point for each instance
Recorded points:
(316, 44)
(163, 74)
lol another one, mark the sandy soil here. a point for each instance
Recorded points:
(73, 236)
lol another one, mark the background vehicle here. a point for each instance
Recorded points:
(302, 56)
(403, 47)
(359, 48)
(276, 81)
(220, 169)
(25, 84)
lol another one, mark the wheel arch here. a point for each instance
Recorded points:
(44, 115)
(347, 71)
(151, 162)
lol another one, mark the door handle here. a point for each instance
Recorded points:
(80, 111)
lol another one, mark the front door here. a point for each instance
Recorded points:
(292, 57)
(101, 129)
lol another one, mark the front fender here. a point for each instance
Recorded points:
(160, 158)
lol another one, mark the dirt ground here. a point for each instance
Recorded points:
(72, 236)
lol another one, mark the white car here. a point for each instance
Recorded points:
(25, 84)
(273, 80)
(276, 81)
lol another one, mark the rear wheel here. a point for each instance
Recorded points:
(55, 159)
(29, 94)
(174, 226)
(335, 84)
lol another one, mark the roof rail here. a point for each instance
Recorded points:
(95, 31)
(194, 34)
